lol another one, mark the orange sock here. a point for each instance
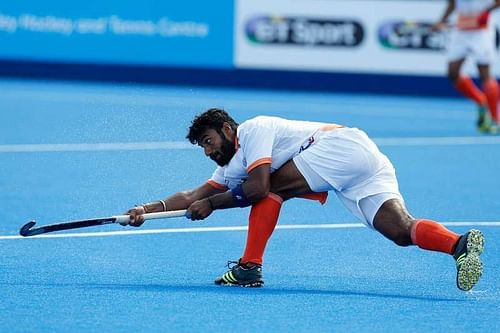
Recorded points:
(262, 221)
(467, 87)
(490, 88)
(318, 196)
(430, 235)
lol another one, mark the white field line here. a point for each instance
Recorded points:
(69, 147)
(224, 229)
(439, 141)
(182, 145)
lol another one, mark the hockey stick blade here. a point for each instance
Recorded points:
(28, 230)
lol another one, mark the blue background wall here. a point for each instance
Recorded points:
(40, 47)
(146, 32)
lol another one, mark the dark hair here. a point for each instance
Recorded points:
(213, 118)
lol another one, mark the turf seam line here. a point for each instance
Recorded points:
(182, 145)
(223, 229)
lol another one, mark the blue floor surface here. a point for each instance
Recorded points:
(335, 278)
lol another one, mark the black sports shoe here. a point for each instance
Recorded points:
(483, 121)
(485, 124)
(469, 266)
(241, 275)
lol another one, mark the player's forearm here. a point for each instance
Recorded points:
(180, 200)
(494, 6)
(449, 10)
(222, 201)
(253, 192)
(254, 189)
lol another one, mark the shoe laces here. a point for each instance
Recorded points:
(232, 263)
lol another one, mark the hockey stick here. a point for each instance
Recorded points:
(28, 230)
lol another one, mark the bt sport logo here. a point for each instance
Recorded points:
(304, 31)
(411, 35)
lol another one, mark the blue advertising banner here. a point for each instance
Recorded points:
(188, 33)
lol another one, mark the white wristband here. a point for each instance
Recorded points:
(164, 205)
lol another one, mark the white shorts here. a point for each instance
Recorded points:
(346, 161)
(480, 44)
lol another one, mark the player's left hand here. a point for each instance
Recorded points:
(136, 218)
(199, 210)
(438, 26)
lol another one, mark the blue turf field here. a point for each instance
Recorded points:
(71, 151)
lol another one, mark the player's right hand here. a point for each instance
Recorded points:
(438, 26)
(136, 218)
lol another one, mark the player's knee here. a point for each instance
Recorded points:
(453, 76)
(484, 78)
(402, 234)
(402, 238)
(397, 231)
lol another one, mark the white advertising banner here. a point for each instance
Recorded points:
(379, 37)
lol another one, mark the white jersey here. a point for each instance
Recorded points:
(328, 156)
(471, 37)
(468, 12)
(264, 140)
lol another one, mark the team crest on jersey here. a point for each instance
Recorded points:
(306, 145)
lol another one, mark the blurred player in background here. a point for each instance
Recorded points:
(268, 160)
(471, 35)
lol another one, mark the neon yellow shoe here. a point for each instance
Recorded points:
(494, 129)
(483, 120)
(469, 265)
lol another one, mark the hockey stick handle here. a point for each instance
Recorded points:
(151, 216)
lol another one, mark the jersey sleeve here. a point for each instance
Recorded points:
(256, 139)
(217, 179)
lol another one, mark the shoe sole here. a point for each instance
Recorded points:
(471, 267)
(489, 130)
(257, 284)
(485, 125)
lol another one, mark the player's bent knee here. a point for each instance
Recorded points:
(400, 236)
(403, 239)
(399, 233)
(453, 77)
(394, 222)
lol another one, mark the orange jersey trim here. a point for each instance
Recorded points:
(330, 127)
(216, 185)
(236, 143)
(260, 161)
(469, 22)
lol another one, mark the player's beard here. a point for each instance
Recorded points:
(225, 153)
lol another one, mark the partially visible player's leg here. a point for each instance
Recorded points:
(394, 222)
(468, 88)
(464, 83)
(288, 182)
(457, 51)
(460, 45)
(490, 88)
(262, 221)
(454, 67)
(482, 48)
(247, 272)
